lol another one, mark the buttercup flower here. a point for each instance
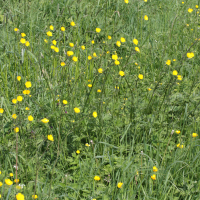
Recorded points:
(23, 34)
(51, 27)
(70, 53)
(1, 110)
(99, 90)
(76, 110)
(87, 145)
(135, 41)
(119, 185)
(16, 180)
(1, 184)
(83, 47)
(26, 92)
(97, 178)
(11, 174)
(194, 135)
(14, 101)
(196, 6)
(146, 17)
(114, 57)
(179, 77)
(8, 182)
(94, 54)
(45, 120)
(19, 98)
(153, 177)
(92, 41)
(126, 1)
(56, 49)
(178, 145)
(149, 89)
(100, 70)
(121, 73)
(18, 78)
(117, 62)
(65, 102)
(23, 41)
(28, 84)
(53, 47)
(89, 85)
(89, 57)
(155, 169)
(19, 196)
(16, 130)
(168, 62)
(50, 137)
(45, 40)
(75, 59)
(140, 76)
(16, 29)
(98, 30)
(190, 10)
(78, 151)
(178, 131)
(62, 64)
(190, 55)
(72, 24)
(27, 108)
(14, 116)
(123, 39)
(71, 44)
(54, 42)
(34, 196)
(27, 43)
(62, 28)
(137, 49)
(30, 118)
(94, 114)
(118, 43)
(175, 73)
(49, 33)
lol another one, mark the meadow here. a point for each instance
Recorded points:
(99, 99)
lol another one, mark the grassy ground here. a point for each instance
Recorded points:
(122, 115)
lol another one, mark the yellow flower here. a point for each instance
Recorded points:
(155, 169)
(70, 53)
(56, 49)
(196, 6)
(11, 174)
(146, 17)
(28, 84)
(174, 60)
(178, 131)
(49, 33)
(137, 49)
(194, 135)
(168, 62)
(87, 145)
(89, 85)
(145, 0)
(45, 40)
(83, 47)
(1, 184)
(190, 10)
(98, 30)
(53, 47)
(121, 73)
(76, 110)
(16, 180)
(16, 130)
(118, 43)
(54, 42)
(14, 101)
(26, 92)
(97, 178)
(72, 24)
(140, 76)
(50, 137)
(153, 177)
(175, 73)
(19, 98)
(182, 2)
(94, 114)
(100, 70)
(109, 37)
(23, 34)
(34, 196)
(62, 28)
(89, 57)
(135, 41)
(18, 78)
(27, 43)
(8, 182)
(45, 120)
(14, 116)
(99, 90)
(190, 55)
(78, 151)
(51, 27)
(108, 52)
(149, 89)
(123, 39)
(94, 54)
(178, 145)
(71, 44)
(65, 102)
(117, 62)
(75, 59)
(119, 185)
(92, 41)
(62, 64)
(179, 77)
(30, 118)
(1, 110)
(23, 41)
(114, 57)
(16, 29)
(19, 196)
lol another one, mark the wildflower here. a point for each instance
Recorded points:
(54, 42)
(28, 84)
(1, 110)
(16, 29)
(121, 73)
(92, 41)
(23, 41)
(18, 78)
(109, 37)
(155, 169)
(98, 30)
(178, 145)
(146, 17)
(175, 73)
(153, 177)
(19, 98)
(14, 116)
(168, 62)
(118, 43)
(137, 49)
(65, 102)
(140, 76)
(19, 196)
(45, 120)
(11, 174)
(30, 118)
(179, 77)
(89, 85)
(108, 52)
(1, 184)
(94, 54)
(117, 62)
(190, 10)
(89, 57)
(49, 33)
(71, 44)
(174, 60)
(100, 70)
(83, 47)
(183, 2)
(16, 130)
(87, 145)
(26, 92)
(149, 89)
(56, 49)
(194, 135)
(62, 64)
(123, 39)
(119, 185)
(14, 101)
(94, 114)
(99, 90)
(97, 178)
(8, 182)
(145, 0)
(27, 43)
(51, 27)
(135, 41)
(23, 34)
(190, 55)
(45, 40)
(70, 53)
(78, 151)
(62, 28)
(178, 131)
(16, 180)
(76, 110)
(53, 47)
(75, 59)
(72, 24)
(34, 196)
(196, 6)
(50, 137)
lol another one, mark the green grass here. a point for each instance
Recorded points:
(135, 128)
